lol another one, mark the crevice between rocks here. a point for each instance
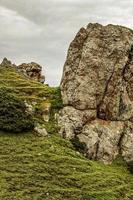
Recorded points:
(120, 141)
(104, 94)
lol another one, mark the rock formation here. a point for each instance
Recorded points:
(6, 62)
(97, 92)
(40, 130)
(31, 70)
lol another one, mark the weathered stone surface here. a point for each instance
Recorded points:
(45, 111)
(33, 71)
(93, 72)
(98, 78)
(6, 62)
(127, 144)
(29, 108)
(102, 139)
(40, 130)
(71, 120)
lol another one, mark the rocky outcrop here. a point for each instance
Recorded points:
(97, 92)
(6, 62)
(31, 70)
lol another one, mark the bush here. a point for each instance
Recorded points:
(56, 99)
(130, 167)
(79, 146)
(13, 115)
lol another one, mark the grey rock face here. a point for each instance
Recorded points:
(40, 130)
(97, 91)
(102, 138)
(45, 112)
(6, 62)
(71, 120)
(33, 71)
(127, 143)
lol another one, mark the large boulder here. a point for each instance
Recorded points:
(97, 92)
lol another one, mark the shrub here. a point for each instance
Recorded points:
(56, 99)
(13, 115)
(130, 167)
(79, 146)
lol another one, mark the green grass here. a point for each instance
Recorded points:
(31, 91)
(35, 168)
(28, 89)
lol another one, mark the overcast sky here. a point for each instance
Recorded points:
(41, 30)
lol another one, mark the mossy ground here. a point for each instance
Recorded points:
(38, 168)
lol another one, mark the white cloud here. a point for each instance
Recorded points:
(15, 26)
(41, 30)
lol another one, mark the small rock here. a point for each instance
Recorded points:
(44, 98)
(40, 130)
(46, 111)
(29, 107)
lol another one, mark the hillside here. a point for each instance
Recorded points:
(35, 168)
(41, 100)
(50, 168)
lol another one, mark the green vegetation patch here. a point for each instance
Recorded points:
(13, 115)
(35, 94)
(35, 168)
(38, 168)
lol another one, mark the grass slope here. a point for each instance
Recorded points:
(36, 168)
(34, 93)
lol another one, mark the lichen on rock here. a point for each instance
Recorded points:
(97, 92)
(40, 130)
(31, 70)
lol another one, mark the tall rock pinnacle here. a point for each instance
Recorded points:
(97, 92)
